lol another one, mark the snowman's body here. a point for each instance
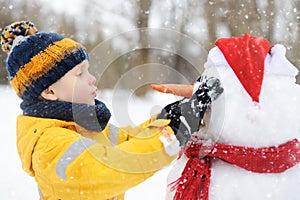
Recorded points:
(237, 120)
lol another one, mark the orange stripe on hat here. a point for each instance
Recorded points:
(41, 63)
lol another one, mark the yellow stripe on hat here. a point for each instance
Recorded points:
(41, 63)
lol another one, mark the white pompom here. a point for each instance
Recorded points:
(278, 49)
(276, 63)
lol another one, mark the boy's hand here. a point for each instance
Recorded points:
(171, 144)
(186, 114)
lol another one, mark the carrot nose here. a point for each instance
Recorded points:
(176, 89)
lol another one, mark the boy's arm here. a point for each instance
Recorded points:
(79, 162)
(118, 135)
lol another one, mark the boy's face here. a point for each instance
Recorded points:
(77, 85)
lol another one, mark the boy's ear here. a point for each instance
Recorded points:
(48, 94)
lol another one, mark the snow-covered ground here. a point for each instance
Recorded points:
(15, 184)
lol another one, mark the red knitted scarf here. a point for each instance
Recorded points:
(195, 178)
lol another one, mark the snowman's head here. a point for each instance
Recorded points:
(260, 105)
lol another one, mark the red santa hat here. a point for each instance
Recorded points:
(250, 58)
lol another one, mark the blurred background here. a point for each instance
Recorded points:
(123, 58)
(92, 22)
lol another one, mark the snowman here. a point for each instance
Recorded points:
(248, 148)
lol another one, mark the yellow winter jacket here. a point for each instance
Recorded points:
(69, 162)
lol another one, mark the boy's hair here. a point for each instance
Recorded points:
(35, 59)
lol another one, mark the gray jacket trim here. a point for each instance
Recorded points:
(113, 136)
(71, 154)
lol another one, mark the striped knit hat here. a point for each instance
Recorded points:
(35, 59)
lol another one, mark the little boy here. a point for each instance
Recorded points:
(63, 136)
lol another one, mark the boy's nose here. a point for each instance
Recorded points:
(92, 80)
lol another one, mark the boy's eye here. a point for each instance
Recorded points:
(79, 73)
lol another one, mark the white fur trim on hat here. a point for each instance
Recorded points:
(275, 61)
(216, 56)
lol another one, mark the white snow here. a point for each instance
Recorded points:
(16, 184)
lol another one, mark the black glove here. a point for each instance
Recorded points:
(187, 114)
